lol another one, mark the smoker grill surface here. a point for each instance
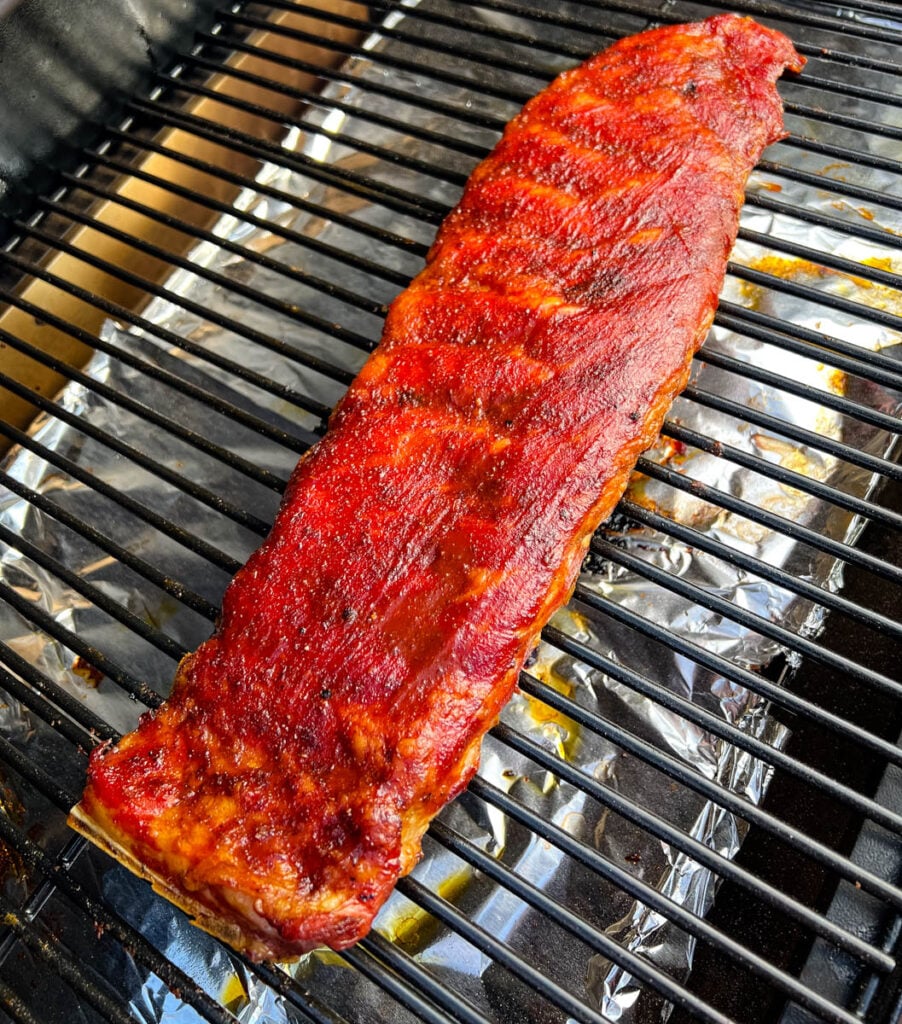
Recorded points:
(806, 925)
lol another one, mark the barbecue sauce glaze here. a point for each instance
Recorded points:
(372, 640)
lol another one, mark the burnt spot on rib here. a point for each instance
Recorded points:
(409, 397)
(602, 285)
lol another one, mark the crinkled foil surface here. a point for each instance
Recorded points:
(626, 845)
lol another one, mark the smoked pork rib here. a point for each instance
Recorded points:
(372, 640)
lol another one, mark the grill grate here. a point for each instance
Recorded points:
(844, 108)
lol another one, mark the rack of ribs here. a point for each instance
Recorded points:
(369, 644)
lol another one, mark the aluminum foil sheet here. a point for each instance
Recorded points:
(327, 978)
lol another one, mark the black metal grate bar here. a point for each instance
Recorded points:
(803, 340)
(692, 713)
(791, 478)
(808, 438)
(791, 641)
(44, 622)
(232, 412)
(580, 53)
(166, 423)
(756, 566)
(87, 723)
(241, 181)
(112, 608)
(519, 96)
(102, 919)
(554, 993)
(330, 74)
(391, 156)
(762, 8)
(122, 313)
(839, 403)
(392, 198)
(553, 911)
(858, 309)
(824, 259)
(14, 1006)
(260, 259)
(677, 770)
(514, 95)
(243, 330)
(60, 962)
(841, 188)
(201, 494)
(855, 230)
(314, 244)
(841, 550)
(404, 965)
(657, 826)
(533, 41)
(43, 709)
(885, 7)
(643, 892)
(546, 17)
(781, 696)
(374, 967)
(872, 161)
(468, 53)
(294, 993)
(99, 538)
(185, 538)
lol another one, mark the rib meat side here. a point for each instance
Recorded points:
(374, 638)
